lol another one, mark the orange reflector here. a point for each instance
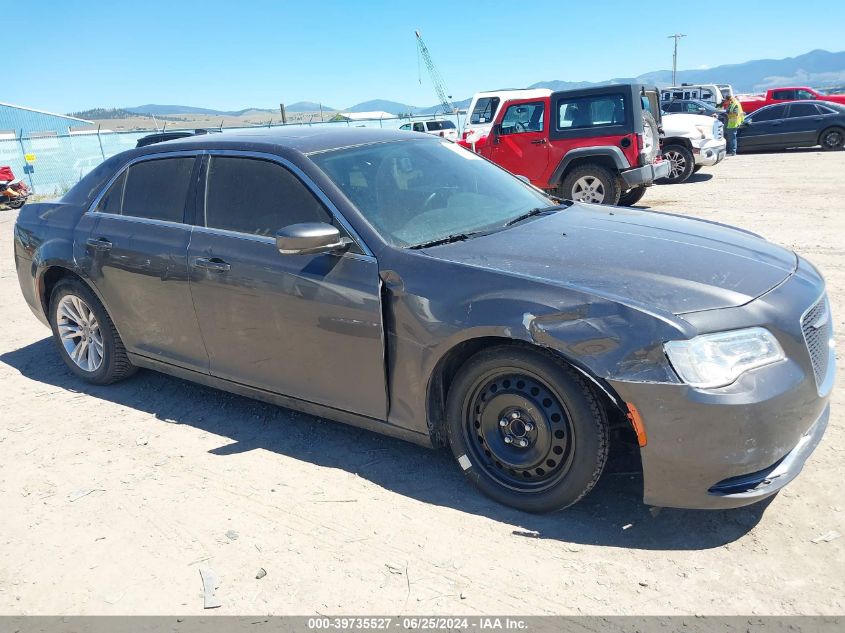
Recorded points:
(637, 423)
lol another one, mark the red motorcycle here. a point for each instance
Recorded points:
(13, 191)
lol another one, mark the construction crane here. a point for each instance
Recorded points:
(436, 78)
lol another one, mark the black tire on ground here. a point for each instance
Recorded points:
(632, 196)
(505, 396)
(114, 363)
(590, 183)
(651, 133)
(833, 138)
(681, 164)
(697, 169)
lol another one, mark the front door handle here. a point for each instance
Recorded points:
(539, 141)
(215, 263)
(99, 243)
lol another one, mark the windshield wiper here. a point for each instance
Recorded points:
(456, 237)
(533, 212)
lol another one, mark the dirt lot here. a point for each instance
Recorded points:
(113, 498)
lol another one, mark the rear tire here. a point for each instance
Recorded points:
(526, 429)
(632, 196)
(590, 183)
(681, 164)
(832, 139)
(85, 335)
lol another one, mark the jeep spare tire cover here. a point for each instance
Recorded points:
(650, 137)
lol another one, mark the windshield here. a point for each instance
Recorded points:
(418, 191)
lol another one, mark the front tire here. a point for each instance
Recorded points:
(85, 335)
(681, 164)
(526, 429)
(590, 183)
(832, 139)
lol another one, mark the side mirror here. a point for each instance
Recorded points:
(310, 237)
(495, 132)
(701, 110)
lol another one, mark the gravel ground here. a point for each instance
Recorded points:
(114, 498)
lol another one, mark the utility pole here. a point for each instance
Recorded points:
(676, 37)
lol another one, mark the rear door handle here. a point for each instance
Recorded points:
(99, 243)
(215, 263)
(539, 141)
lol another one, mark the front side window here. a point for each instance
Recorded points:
(804, 94)
(484, 110)
(587, 112)
(415, 191)
(154, 189)
(769, 114)
(419, 127)
(524, 117)
(257, 197)
(802, 109)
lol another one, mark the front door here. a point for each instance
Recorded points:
(305, 326)
(137, 258)
(521, 144)
(765, 129)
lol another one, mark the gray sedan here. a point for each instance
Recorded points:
(397, 282)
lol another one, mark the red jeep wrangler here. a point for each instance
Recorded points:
(596, 145)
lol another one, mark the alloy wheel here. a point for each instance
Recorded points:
(832, 139)
(677, 164)
(518, 430)
(588, 189)
(80, 333)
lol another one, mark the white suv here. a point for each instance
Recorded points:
(438, 127)
(690, 142)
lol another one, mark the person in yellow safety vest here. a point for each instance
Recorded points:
(735, 118)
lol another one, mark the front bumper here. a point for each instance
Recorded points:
(645, 175)
(736, 445)
(709, 152)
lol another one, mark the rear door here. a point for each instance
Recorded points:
(802, 124)
(305, 326)
(138, 259)
(521, 145)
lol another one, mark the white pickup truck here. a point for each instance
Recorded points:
(690, 142)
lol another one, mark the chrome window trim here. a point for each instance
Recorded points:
(306, 180)
(92, 208)
(135, 218)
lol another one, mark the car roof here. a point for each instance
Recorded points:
(306, 140)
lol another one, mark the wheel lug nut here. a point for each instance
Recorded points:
(529, 426)
(503, 422)
(515, 415)
(523, 443)
(508, 438)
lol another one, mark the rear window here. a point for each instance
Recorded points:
(158, 189)
(434, 126)
(588, 112)
(484, 110)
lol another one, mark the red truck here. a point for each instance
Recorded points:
(597, 145)
(779, 95)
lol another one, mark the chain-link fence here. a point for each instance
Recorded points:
(52, 164)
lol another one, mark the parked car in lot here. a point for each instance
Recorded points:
(693, 106)
(593, 145)
(437, 127)
(403, 284)
(794, 124)
(690, 142)
(485, 107)
(750, 103)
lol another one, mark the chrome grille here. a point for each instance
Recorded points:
(816, 326)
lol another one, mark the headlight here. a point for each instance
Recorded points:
(716, 360)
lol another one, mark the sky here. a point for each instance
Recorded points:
(66, 56)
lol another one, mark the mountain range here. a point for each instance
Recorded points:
(818, 68)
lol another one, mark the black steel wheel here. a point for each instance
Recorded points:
(526, 429)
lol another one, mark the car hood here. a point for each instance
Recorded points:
(685, 124)
(658, 261)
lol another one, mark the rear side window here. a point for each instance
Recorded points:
(419, 127)
(484, 110)
(158, 189)
(803, 109)
(434, 126)
(783, 95)
(587, 112)
(258, 197)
